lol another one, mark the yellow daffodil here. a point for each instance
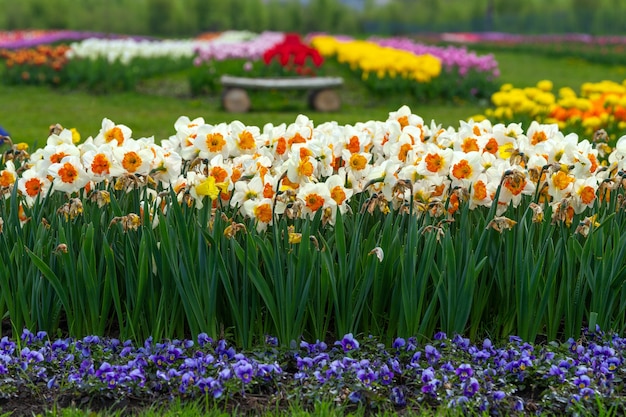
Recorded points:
(75, 135)
(209, 188)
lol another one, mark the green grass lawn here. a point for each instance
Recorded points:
(27, 112)
(527, 69)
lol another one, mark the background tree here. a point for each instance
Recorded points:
(252, 15)
(159, 16)
(278, 16)
(15, 16)
(605, 21)
(585, 11)
(186, 18)
(295, 16)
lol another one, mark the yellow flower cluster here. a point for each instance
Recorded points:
(512, 102)
(381, 61)
(600, 105)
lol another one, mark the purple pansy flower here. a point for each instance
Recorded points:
(349, 343)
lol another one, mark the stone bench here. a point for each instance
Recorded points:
(322, 91)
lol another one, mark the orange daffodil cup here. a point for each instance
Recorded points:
(301, 169)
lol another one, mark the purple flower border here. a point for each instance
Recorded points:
(445, 372)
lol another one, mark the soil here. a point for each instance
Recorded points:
(27, 403)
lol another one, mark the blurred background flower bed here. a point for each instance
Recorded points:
(111, 64)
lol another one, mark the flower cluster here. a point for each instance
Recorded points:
(229, 47)
(600, 105)
(444, 373)
(98, 62)
(40, 65)
(230, 55)
(300, 169)
(379, 61)
(293, 56)
(94, 364)
(112, 155)
(268, 54)
(455, 373)
(452, 58)
(20, 39)
(465, 75)
(404, 68)
(103, 64)
(125, 50)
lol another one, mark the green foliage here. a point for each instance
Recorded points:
(593, 53)
(99, 75)
(187, 271)
(178, 408)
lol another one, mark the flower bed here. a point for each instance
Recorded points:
(400, 65)
(32, 38)
(271, 54)
(475, 75)
(384, 70)
(444, 373)
(393, 66)
(597, 49)
(600, 106)
(388, 227)
(104, 63)
(40, 65)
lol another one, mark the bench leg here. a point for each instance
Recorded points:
(325, 100)
(235, 100)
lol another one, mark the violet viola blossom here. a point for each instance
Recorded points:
(470, 387)
(244, 371)
(225, 374)
(464, 371)
(204, 339)
(348, 343)
(225, 353)
(557, 372)
(7, 346)
(428, 374)
(398, 343)
(432, 354)
(385, 375)
(366, 376)
(204, 384)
